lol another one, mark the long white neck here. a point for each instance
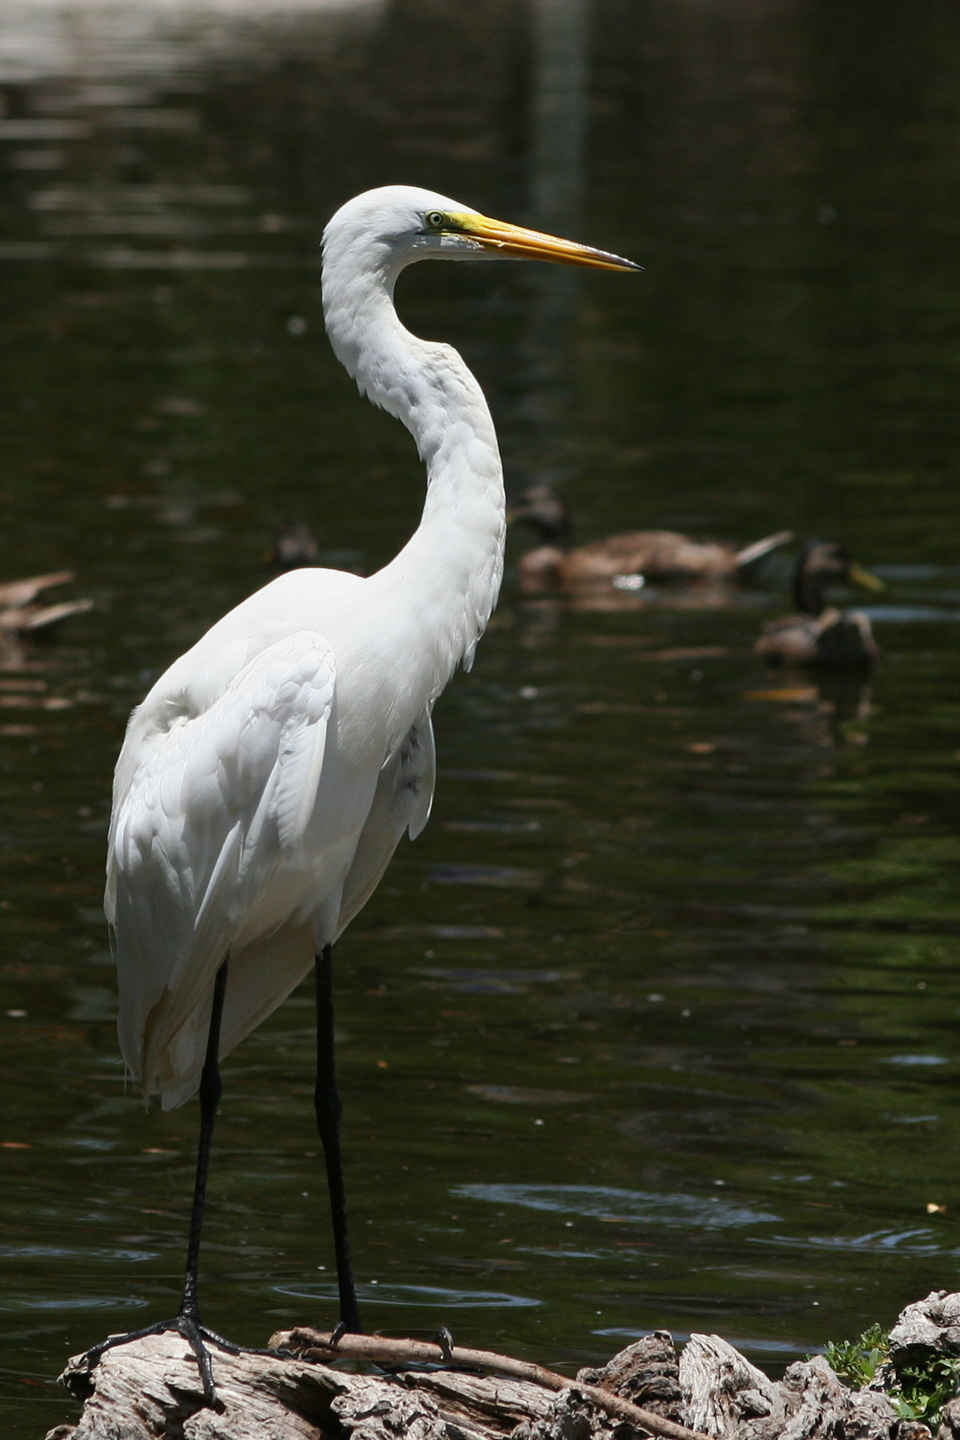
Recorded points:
(452, 566)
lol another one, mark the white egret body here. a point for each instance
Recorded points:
(267, 777)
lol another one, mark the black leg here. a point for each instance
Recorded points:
(210, 1092)
(187, 1321)
(328, 1110)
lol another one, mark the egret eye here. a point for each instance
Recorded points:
(435, 219)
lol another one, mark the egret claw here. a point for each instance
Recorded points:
(197, 1336)
(445, 1340)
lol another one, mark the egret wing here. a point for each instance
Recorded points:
(216, 803)
(264, 971)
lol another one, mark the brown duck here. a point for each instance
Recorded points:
(657, 555)
(820, 634)
(22, 613)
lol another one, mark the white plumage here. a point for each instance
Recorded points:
(268, 775)
(266, 779)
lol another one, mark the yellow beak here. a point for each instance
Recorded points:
(864, 579)
(514, 241)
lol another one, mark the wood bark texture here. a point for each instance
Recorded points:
(150, 1390)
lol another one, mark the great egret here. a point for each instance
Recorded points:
(818, 634)
(267, 777)
(657, 555)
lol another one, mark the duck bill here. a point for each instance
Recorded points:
(864, 579)
(514, 242)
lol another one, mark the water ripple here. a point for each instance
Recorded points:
(434, 1295)
(605, 1202)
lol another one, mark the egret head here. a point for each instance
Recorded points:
(366, 245)
(398, 224)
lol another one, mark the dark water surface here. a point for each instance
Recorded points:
(657, 1023)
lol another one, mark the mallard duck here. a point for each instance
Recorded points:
(656, 555)
(20, 613)
(820, 634)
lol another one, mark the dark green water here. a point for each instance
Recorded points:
(657, 1023)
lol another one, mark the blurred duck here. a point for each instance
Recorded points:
(820, 634)
(657, 555)
(22, 613)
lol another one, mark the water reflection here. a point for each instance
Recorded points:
(675, 921)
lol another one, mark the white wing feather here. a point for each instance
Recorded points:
(215, 807)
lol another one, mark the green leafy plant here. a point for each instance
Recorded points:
(926, 1388)
(917, 1390)
(857, 1362)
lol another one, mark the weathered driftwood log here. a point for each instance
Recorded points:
(150, 1390)
(612, 1391)
(725, 1396)
(931, 1324)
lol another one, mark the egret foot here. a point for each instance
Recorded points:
(441, 1338)
(197, 1336)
